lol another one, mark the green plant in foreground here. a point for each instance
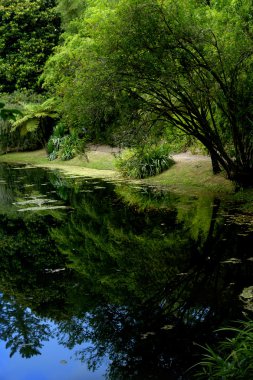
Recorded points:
(144, 162)
(233, 357)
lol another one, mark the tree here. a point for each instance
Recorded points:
(70, 10)
(71, 74)
(29, 29)
(16, 106)
(185, 63)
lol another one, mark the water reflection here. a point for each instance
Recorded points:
(141, 274)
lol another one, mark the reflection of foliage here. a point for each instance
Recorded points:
(22, 331)
(194, 214)
(27, 252)
(15, 189)
(142, 258)
(146, 279)
(134, 338)
(146, 197)
(198, 217)
(109, 244)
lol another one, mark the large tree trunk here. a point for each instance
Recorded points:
(242, 177)
(215, 163)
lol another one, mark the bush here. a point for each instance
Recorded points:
(144, 162)
(232, 359)
(65, 146)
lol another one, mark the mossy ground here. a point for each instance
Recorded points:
(191, 175)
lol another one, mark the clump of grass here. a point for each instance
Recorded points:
(65, 145)
(144, 162)
(232, 359)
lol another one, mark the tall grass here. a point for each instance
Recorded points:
(233, 357)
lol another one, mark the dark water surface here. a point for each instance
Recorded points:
(115, 280)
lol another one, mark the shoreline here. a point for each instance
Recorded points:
(190, 174)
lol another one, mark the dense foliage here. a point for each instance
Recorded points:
(29, 29)
(186, 64)
(26, 121)
(7, 113)
(65, 145)
(129, 71)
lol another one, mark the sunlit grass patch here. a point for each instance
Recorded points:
(34, 157)
(191, 176)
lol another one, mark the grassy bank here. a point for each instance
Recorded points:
(188, 175)
(193, 176)
(99, 164)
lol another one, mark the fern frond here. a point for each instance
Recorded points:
(32, 114)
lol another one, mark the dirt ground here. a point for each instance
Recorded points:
(180, 157)
(188, 156)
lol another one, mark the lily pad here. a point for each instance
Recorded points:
(41, 208)
(232, 260)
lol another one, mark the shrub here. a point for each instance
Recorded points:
(144, 162)
(65, 146)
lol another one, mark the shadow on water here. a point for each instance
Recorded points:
(144, 275)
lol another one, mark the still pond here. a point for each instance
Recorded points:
(115, 280)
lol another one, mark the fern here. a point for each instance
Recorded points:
(32, 114)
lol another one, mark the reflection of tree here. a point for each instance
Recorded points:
(31, 267)
(158, 275)
(121, 249)
(141, 274)
(22, 331)
(20, 184)
(135, 338)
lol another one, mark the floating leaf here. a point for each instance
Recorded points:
(167, 327)
(232, 260)
(42, 208)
